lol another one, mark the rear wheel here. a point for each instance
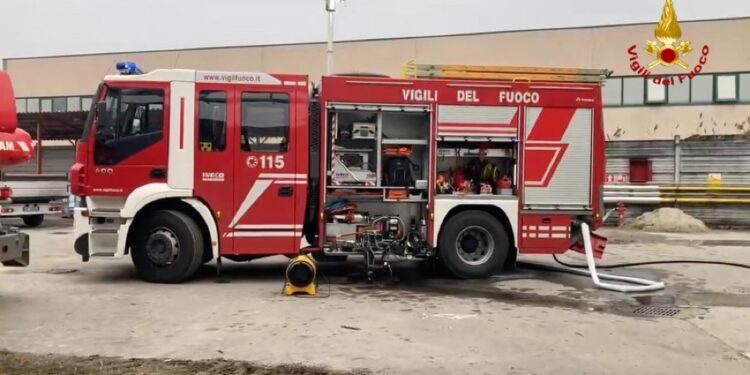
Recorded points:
(473, 244)
(33, 221)
(167, 247)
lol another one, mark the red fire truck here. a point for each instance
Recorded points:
(16, 147)
(467, 164)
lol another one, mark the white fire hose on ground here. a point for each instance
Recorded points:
(644, 285)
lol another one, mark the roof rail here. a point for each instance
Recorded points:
(504, 73)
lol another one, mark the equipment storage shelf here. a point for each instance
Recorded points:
(355, 194)
(414, 142)
(355, 149)
(377, 147)
(405, 156)
(476, 169)
(475, 196)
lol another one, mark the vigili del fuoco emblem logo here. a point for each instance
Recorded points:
(667, 51)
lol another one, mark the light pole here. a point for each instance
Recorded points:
(330, 8)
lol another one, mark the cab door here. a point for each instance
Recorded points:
(130, 142)
(266, 183)
(214, 156)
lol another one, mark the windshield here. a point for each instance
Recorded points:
(92, 114)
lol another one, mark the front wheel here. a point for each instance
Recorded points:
(166, 246)
(473, 244)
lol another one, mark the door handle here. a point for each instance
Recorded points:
(157, 173)
(285, 191)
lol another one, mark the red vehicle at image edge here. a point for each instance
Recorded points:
(469, 165)
(16, 147)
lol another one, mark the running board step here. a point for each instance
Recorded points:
(105, 213)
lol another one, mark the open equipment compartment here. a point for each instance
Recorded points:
(477, 151)
(477, 169)
(377, 174)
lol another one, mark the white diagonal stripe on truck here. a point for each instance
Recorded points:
(255, 192)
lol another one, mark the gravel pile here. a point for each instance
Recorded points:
(668, 219)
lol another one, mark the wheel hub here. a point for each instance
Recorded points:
(469, 244)
(162, 247)
(474, 245)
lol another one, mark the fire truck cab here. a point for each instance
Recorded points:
(179, 167)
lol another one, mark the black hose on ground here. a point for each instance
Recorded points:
(676, 261)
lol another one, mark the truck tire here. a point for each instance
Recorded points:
(473, 244)
(166, 247)
(33, 221)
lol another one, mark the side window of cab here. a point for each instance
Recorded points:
(128, 121)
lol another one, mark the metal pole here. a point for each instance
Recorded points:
(329, 50)
(330, 8)
(39, 148)
(677, 159)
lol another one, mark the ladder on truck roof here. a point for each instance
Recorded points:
(504, 73)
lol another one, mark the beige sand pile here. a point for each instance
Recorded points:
(668, 219)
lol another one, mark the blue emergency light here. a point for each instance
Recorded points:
(128, 68)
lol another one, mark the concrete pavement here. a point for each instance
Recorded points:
(530, 322)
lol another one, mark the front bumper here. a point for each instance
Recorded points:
(14, 247)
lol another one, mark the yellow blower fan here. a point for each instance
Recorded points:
(300, 276)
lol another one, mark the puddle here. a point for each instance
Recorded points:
(425, 291)
(686, 300)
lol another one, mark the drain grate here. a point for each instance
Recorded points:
(656, 311)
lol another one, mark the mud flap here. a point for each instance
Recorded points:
(598, 245)
(81, 246)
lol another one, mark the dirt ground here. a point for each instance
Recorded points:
(32, 364)
(62, 316)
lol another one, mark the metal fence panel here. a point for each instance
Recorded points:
(727, 160)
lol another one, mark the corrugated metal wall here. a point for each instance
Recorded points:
(729, 158)
(696, 160)
(56, 159)
(660, 153)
